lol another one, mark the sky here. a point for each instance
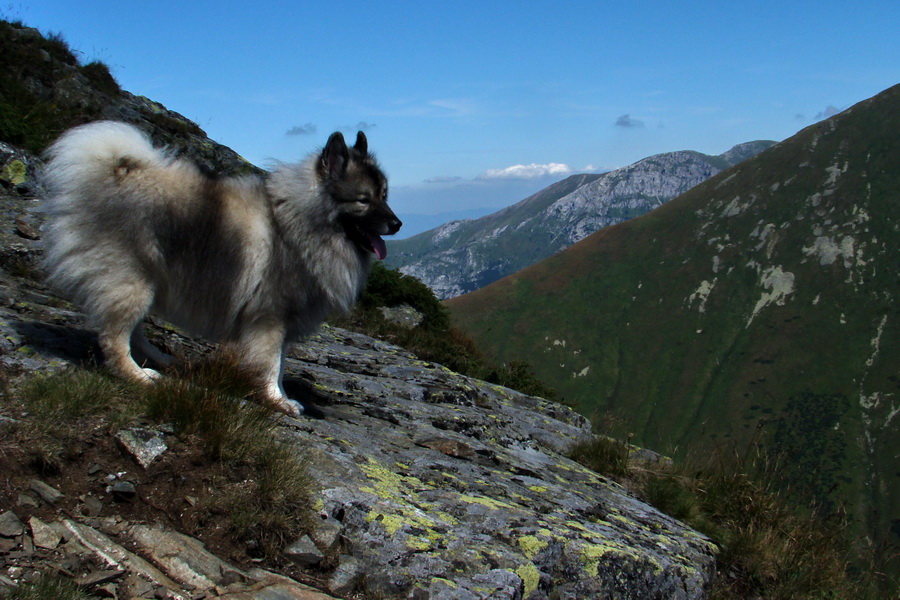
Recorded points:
(473, 106)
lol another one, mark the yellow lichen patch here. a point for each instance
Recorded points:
(540, 489)
(592, 554)
(391, 523)
(390, 485)
(490, 503)
(531, 545)
(530, 577)
(14, 172)
(418, 543)
(446, 582)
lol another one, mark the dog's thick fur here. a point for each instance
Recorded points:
(256, 262)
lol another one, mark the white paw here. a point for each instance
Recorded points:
(291, 408)
(149, 375)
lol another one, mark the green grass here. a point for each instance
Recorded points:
(47, 588)
(602, 454)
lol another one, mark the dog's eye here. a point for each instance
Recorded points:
(363, 199)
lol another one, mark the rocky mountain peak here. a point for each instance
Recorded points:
(463, 256)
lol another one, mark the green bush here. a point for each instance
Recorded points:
(433, 340)
(387, 287)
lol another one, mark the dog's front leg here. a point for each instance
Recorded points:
(262, 348)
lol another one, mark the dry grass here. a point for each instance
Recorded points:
(768, 547)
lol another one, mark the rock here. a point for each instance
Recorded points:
(43, 535)
(92, 506)
(26, 228)
(403, 315)
(454, 448)
(98, 578)
(327, 533)
(271, 586)
(10, 525)
(116, 556)
(143, 445)
(304, 552)
(18, 171)
(28, 500)
(49, 494)
(183, 558)
(123, 491)
(347, 576)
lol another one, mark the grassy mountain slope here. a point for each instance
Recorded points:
(763, 300)
(463, 256)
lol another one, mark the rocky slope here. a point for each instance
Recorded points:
(761, 304)
(428, 484)
(463, 256)
(45, 90)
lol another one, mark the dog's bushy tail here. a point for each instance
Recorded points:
(89, 155)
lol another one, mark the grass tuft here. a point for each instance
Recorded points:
(47, 588)
(602, 454)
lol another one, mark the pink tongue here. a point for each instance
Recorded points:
(378, 246)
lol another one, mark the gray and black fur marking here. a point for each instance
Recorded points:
(253, 262)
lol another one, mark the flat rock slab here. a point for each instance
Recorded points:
(450, 487)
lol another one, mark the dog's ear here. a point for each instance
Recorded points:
(362, 144)
(335, 156)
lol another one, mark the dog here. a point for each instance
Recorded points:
(255, 262)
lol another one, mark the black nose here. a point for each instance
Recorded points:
(394, 226)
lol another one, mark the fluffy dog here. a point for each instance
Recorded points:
(255, 262)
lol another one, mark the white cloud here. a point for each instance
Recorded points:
(532, 171)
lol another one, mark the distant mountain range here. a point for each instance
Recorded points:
(463, 256)
(764, 302)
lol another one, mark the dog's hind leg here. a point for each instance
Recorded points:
(119, 318)
(263, 349)
(144, 351)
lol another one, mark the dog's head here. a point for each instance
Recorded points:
(354, 181)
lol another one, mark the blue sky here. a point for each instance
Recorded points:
(471, 106)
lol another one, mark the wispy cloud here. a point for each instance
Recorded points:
(628, 122)
(532, 171)
(444, 179)
(455, 107)
(307, 129)
(829, 111)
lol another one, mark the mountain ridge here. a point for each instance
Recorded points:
(462, 256)
(760, 303)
